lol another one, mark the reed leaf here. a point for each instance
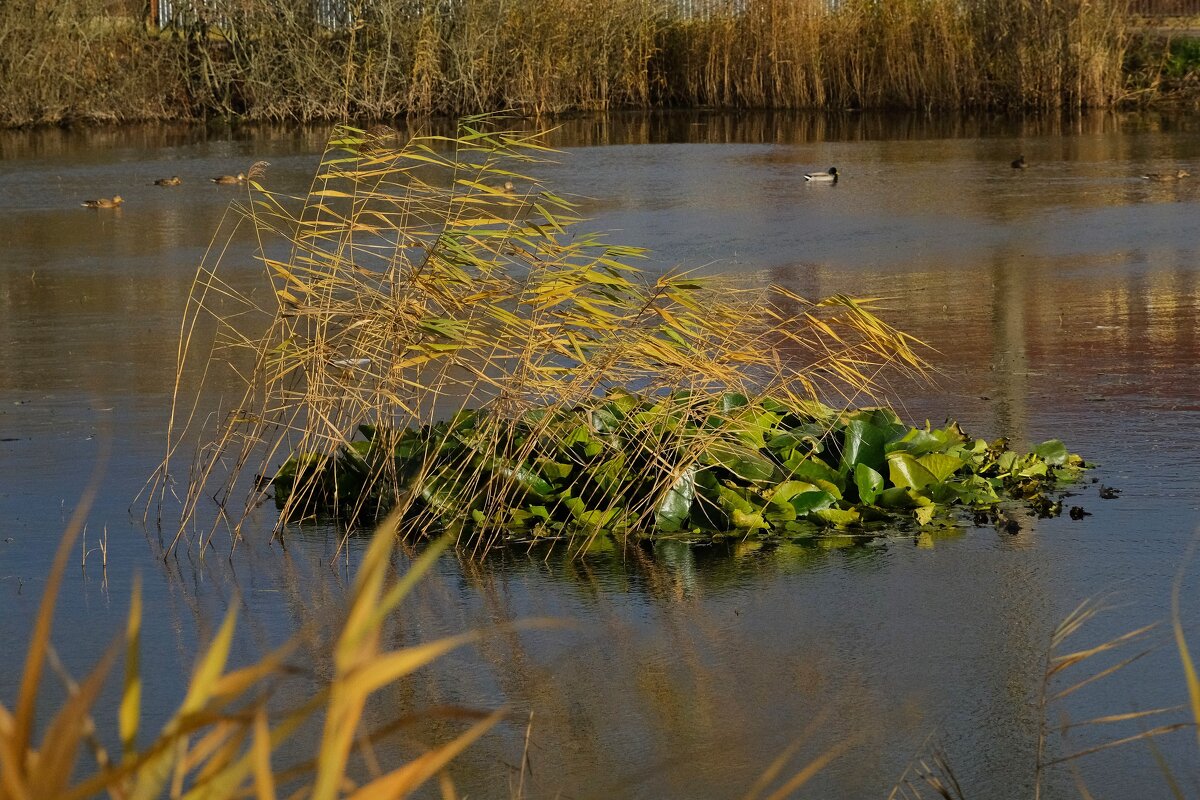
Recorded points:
(403, 780)
(129, 716)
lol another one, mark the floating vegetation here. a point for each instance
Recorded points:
(512, 376)
(412, 285)
(736, 466)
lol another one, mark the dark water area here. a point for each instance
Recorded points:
(1062, 300)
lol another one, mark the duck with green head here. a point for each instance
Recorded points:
(829, 176)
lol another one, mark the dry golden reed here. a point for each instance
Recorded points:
(75, 59)
(418, 279)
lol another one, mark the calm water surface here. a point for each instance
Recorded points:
(1062, 300)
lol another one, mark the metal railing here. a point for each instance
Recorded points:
(226, 14)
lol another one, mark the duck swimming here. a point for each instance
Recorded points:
(1019, 162)
(230, 179)
(103, 202)
(823, 177)
(174, 180)
(1168, 176)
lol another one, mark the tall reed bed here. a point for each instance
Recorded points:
(914, 54)
(274, 61)
(74, 60)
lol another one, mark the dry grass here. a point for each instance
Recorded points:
(544, 56)
(62, 62)
(1068, 671)
(411, 284)
(221, 741)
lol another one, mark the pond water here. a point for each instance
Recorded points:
(1062, 300)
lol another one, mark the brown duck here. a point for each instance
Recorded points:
(103, 202)
(1168, 176)
(226, 180)
(174, 180)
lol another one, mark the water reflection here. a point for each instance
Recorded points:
(1061, 300)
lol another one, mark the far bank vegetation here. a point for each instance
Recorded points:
(100, 60)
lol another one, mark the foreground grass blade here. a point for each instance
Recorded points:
(35, 659)
(1185, 653)
(131, 695)
(208, 752)
(408, 778)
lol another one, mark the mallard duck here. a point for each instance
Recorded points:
(823, 177)
(1168, 176)
(103, 202)
(230, 179)
(174, 180)
(1019, 162)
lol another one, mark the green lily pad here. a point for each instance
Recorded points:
(837, 517)
(744, 462)
(1052, 452)
(673, 510)
(908, 472)
(737, 465)
(940, 465)
(806, 502)
(869, 483)
(863, 444)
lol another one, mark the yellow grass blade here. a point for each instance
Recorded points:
(40, 639)
(130, 710)
(212, 665)
(56, 760)
(152, 777)
(237, 683)
(408, 778)
(1185, 653)
(386, 668)
(417, 570)
(1137, 737)
(264, 778)
(806, 773)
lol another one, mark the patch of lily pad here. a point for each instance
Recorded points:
(677, 466)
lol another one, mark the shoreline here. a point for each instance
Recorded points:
(647, 126)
